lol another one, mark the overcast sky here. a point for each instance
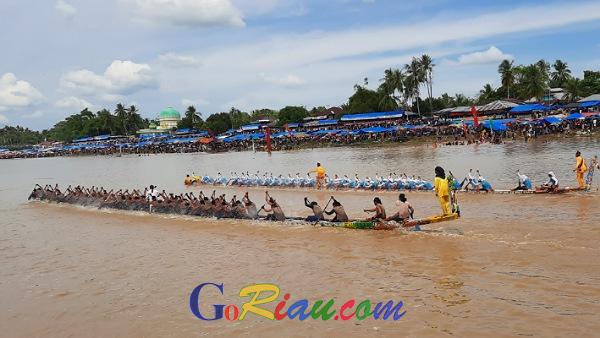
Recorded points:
(61, 56)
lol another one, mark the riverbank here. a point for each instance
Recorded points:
(437, 133)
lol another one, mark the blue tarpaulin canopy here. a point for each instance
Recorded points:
(144, 143)
(244, 137)
(575, 116)
(379, 129)
(147, 136)
(328, 122)
(373, 116)
(238, 137)
(526, 108)
(84, 139)
(182, 140)
(324, 132)
(191, 131)
(589, 104)
(249, 127)
(497, 125)
(552, 120)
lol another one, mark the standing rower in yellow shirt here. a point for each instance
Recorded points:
(320, 171)
(442, 191)
(580, 169)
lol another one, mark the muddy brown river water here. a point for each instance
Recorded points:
(511, 266)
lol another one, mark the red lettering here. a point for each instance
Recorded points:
(236, 312)
(279, 307)
(347, 305)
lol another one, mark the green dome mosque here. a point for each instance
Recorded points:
(169, 118)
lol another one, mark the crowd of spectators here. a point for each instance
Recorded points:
(438, 131)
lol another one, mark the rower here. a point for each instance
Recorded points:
(378, 209)
(470, 179)
(551, 184)
(338, 209)
(276, 213)
(405, 210)
(251, 211)
(483, 183)
(524, 182)
(152, 192)
(316, 209)
(188, 180)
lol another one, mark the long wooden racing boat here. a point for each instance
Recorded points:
(527, 192)
(378, 225)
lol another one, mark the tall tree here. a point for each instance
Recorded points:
(387, 101)
(191, 119)
(487, 94)
(219, 123)
(239, 118)
(121, 115)
(414, 79)
(507, 75)
(561, 73)
(573, 90)
(292, 114)
(393, 81)
(534, 82)
(364, 100)
(427, 68)
(105, 121)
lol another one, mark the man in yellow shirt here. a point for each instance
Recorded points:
(441, 190)
(320, 171)
(580, 169)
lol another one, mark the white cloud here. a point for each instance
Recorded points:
(120, 78)
(491, 55)
(16, 93)
(356, 55)
(289, 80)
(65, 9)
(73, 102)
(200, 13)
(3, 119)
(197, 102)
(36, 114)
(272, 8)
(179, 61)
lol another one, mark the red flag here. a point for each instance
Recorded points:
(475, 117)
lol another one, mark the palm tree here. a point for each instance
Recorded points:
(193, 116)
(105, 120)
(134, 120)
(561, 73)
(427, 69)
(414, 80)
(507, 75)
(393, 83)
(573, 89)
(121, 114)
(534, 82)
(387, 101)
(486, 94)
(545, 70)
